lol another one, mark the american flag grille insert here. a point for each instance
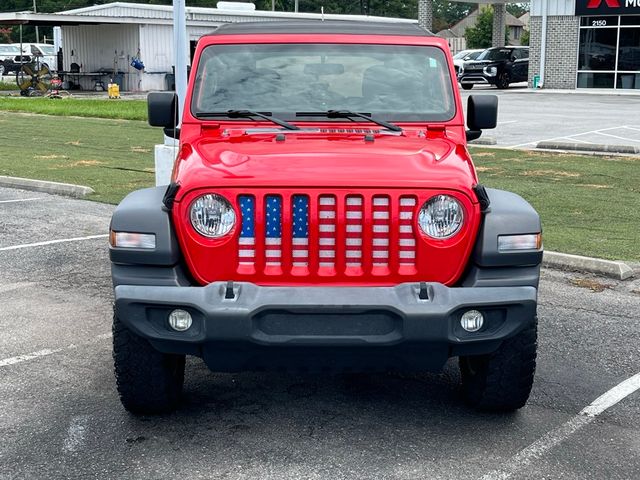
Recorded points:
(326, 234)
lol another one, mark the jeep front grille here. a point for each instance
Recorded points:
(327, 234)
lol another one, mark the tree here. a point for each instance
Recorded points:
(481, 35)
(517, 9)
(524, 39)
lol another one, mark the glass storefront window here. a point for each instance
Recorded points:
(597, 49)
(609, 52)
(630, 20)
(596, 80)
(629, 51)
(628, 81)
(599, 21)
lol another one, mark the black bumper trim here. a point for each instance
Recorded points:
(293, 316)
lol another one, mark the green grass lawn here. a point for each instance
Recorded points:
(77, 107)
(113, 157)
(589, 205)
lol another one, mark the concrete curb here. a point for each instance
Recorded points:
(609, 268)
(484, 140)
(588, 147)
(56, 188)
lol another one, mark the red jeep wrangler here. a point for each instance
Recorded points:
(324, 214)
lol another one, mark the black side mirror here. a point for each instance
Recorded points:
(162, 109)
(482, 113)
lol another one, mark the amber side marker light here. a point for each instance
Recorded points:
(146, 241)
(509, 243)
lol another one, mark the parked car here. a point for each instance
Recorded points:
(499, 66)
(43, 52)
(464, 56)
(10, 59)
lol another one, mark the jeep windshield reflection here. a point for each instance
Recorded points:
(396, 83)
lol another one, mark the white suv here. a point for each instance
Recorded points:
(43, 51)
(9, 58)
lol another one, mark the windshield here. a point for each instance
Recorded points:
(47, 49)
(386, 81)
(461, 54)
(10, 49)
(495, 54)
(473, 55)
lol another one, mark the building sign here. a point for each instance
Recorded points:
(607, 7)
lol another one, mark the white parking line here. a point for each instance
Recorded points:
(538, 448)
(619, 138)
(20, 200)
(563, 136)
(52, 242)
(43, 353)
(28, 356)
(613, 396)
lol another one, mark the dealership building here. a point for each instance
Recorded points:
(585, 44)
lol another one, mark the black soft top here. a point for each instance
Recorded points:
(318, 26)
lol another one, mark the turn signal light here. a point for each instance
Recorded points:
(519, 242)
(145, 241)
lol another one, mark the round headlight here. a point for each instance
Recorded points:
(441, 217)
(212, 215)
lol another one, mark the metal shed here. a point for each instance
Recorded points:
(102, 40)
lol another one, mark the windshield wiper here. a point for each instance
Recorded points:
(350, 114)
(248, 114)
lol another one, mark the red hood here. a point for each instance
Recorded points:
(320, 160)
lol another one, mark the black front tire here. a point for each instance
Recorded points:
(503, 81)
(148, 381)
(502, 380)
(467, 86)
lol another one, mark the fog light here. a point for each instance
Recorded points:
(180, 320)
(472, 321)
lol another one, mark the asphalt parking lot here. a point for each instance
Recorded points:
(526, 117)
(61, 418)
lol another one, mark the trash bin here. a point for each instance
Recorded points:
(536, 81)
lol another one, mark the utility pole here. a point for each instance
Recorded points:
(273, 5)
(35, 11)
(295, 6)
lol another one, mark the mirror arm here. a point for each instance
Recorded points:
(473, 134)
(172, 132)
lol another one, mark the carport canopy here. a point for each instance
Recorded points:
(57, 19)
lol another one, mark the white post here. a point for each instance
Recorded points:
(543, 43)
(181, 51)
(165, 154)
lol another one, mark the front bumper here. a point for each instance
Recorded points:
(263, 327)
(477, 79)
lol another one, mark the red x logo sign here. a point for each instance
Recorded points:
(597, 3)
